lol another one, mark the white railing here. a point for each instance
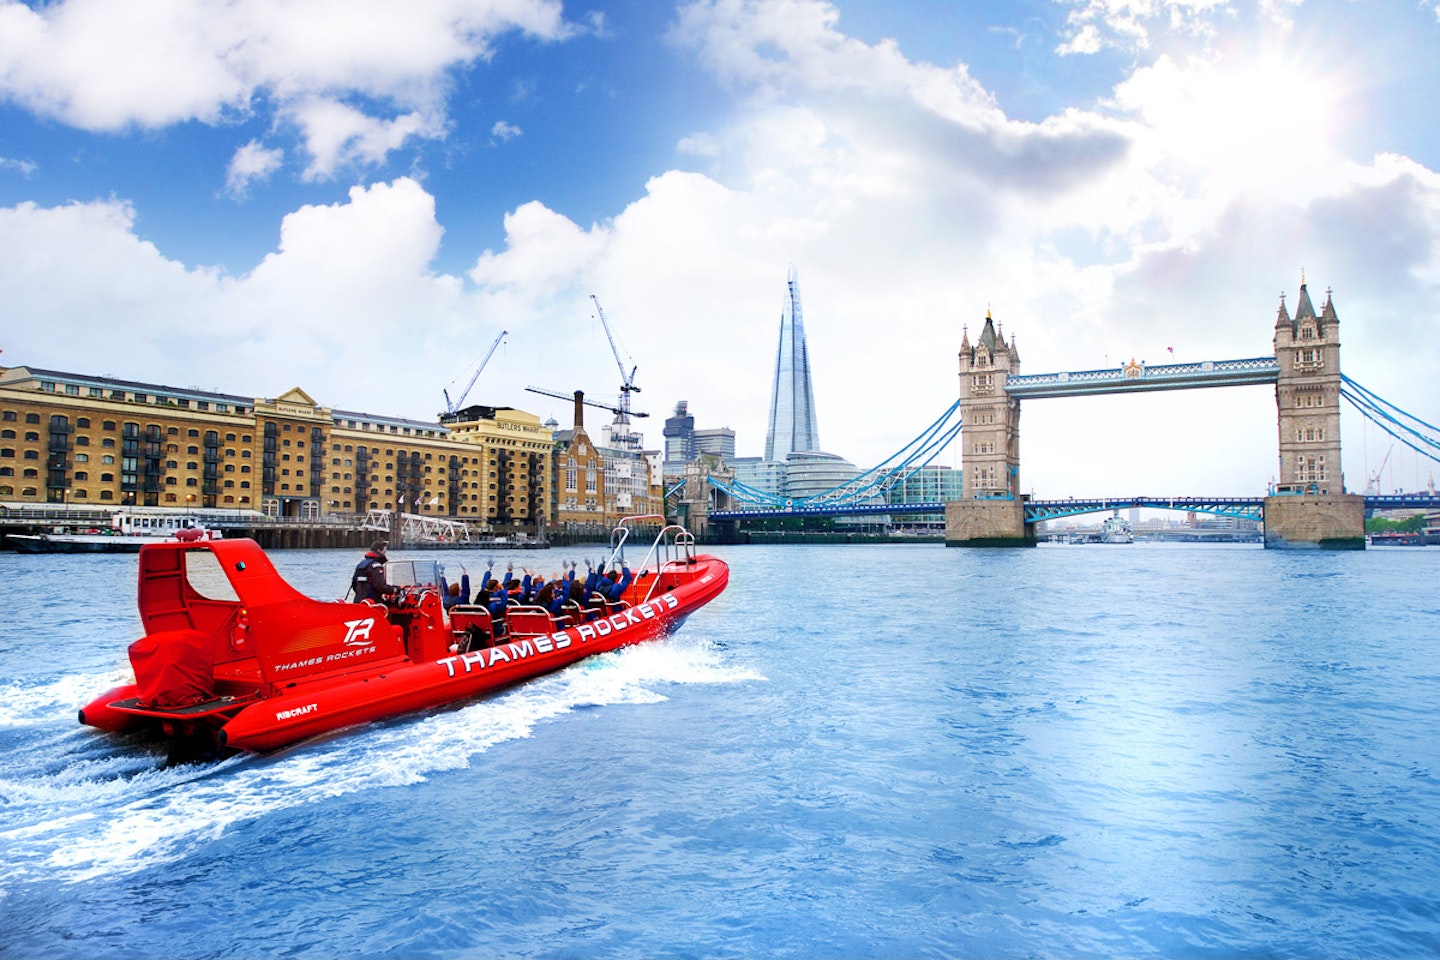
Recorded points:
(417, 527)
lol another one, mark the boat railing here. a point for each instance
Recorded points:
(673, 545)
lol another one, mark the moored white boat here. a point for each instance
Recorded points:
(1115, 530)
(129, 530)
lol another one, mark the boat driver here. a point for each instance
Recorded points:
(369, 580)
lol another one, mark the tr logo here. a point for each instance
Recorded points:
(357, 633)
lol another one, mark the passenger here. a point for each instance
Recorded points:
(581, 600)
(617, 584)
(545, 597)
(554, 592)
(455, 593)
(498, 599)
(566, 581)
(507, 589)
(489, 595)
(527, 587)
(368, 581)
(596, 590)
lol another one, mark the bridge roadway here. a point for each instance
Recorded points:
(1248, 508)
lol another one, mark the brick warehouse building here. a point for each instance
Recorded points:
(69, 438)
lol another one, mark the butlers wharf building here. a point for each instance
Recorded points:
(74, 445)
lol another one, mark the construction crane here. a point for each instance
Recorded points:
(450, 408)
(1374, 486)
(620, 429)
(589, 403)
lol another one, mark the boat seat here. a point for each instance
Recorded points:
(471, 625)
(530, 622)
(570, 614)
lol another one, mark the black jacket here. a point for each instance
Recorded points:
(369, 579)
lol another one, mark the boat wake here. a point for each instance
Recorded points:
(77, 806)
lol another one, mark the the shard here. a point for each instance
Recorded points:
(792, 426)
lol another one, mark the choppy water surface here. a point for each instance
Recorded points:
(1140, 751)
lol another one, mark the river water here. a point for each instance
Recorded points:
(856, 751)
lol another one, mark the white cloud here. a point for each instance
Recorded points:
(150, 63)
(347, 295)
(254, 161)
(699, 144)
(504, 131)
(338, 134)
(26, 168)
(1170, 216)
(1139, 24)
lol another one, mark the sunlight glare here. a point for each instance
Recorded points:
(1258, 124)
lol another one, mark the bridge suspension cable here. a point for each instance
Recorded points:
(744, 493)
(875, 482)
(916, 454)
(1422, 437)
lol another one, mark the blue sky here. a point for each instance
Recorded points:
(356, 196)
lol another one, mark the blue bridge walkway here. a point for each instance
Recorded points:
(1247, 508)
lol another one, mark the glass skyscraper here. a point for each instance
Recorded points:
(792, 426)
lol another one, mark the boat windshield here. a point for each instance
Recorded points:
(206, 576)
(413, 573)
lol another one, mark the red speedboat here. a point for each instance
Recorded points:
(234, 658)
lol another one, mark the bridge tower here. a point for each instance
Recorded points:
(700, 498)
(990, 455)
(991, 512)
(1310, 507)
(1307, 393)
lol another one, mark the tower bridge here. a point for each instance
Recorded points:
(1307, 507)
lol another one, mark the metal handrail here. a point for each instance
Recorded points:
(681, 546)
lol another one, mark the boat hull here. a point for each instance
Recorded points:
(76, 543)
(303, 713)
